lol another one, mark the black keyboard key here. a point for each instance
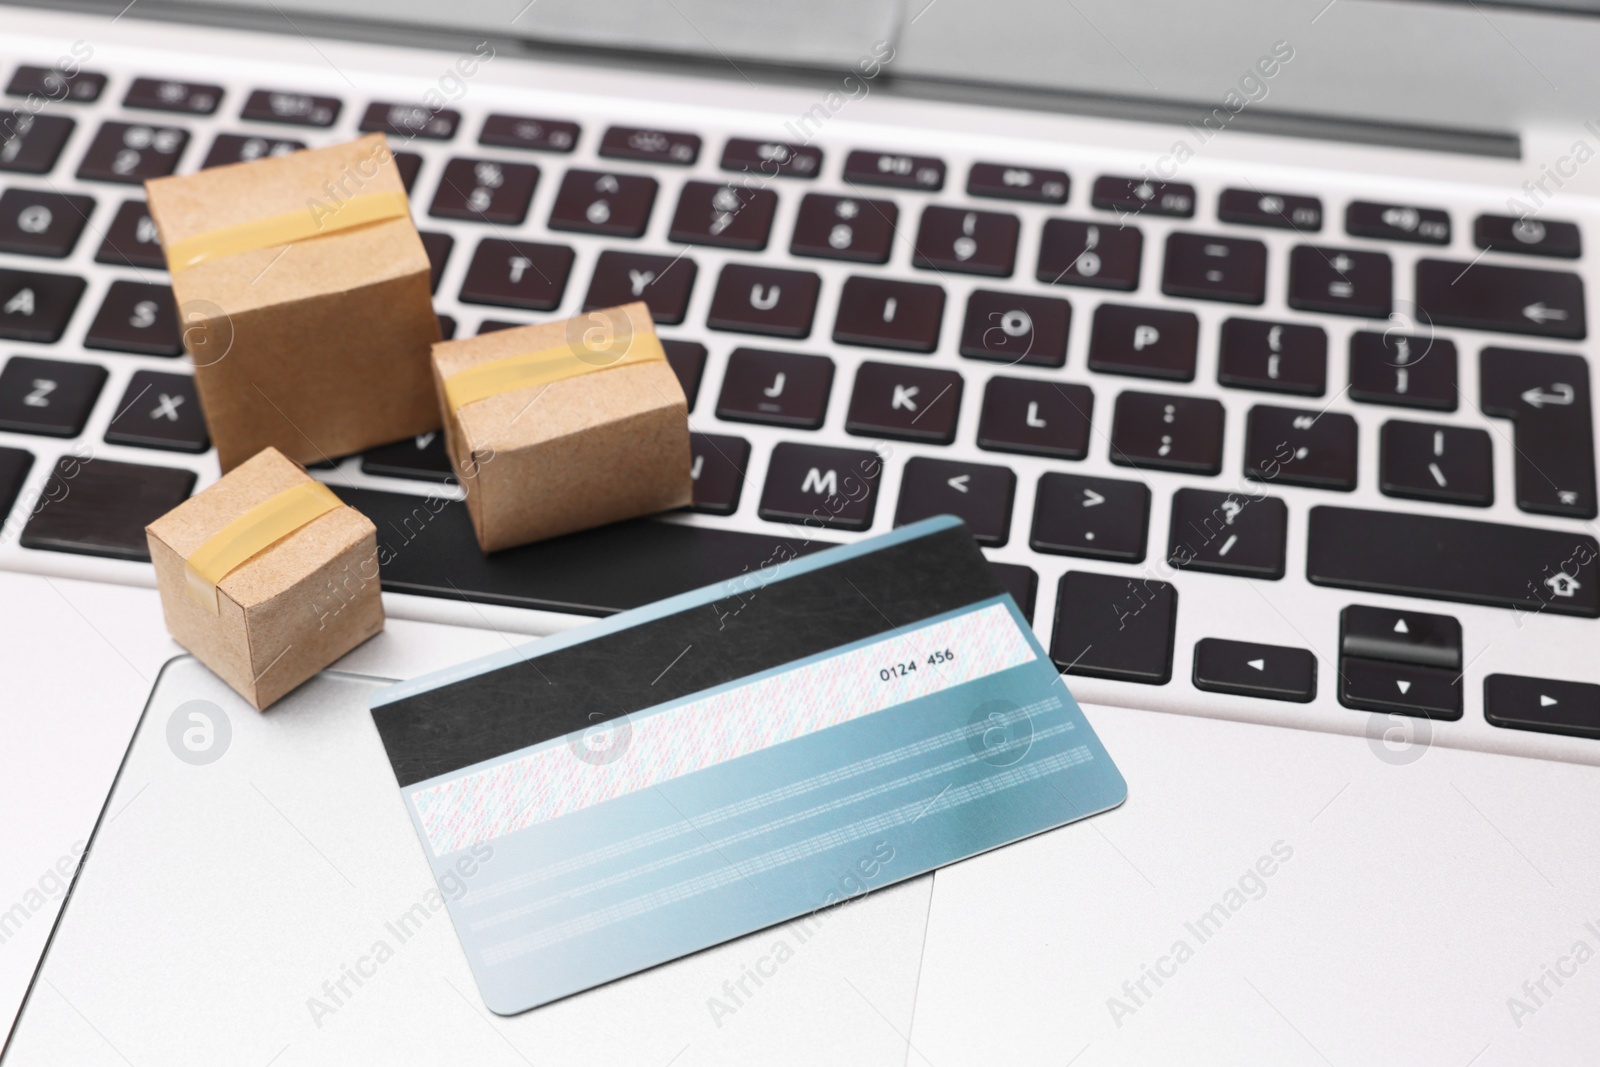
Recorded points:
(1543, 303)
(1340, 281)
(518, 131)
(237, 148)
(598, 572)
(1400, 636)
(1403, 370)
(968, 242)
(775, 388)
(1455, 559)
(35, 306)
(724, 216)
(1108, 626)
(688, 361)
(1239, 668)
(1228, 533)
(409, 121)
(1133, 196)
(409, 164)
(15, 463)
(517, 274)
(1401, 688)
(132, 239)
(999, 181)
(1014, 328)
(47, 397)
(496, 325)
(772, 158)
(1543, 704)
(1296, 447)
(779, 303)
(1145, 342)
(1273, 357)
(894, 170)
(662, 282)
(438, 246)
(1087, 253)
(1449, 464)
(835, 487)
(185, 98)
(447, 327)
(1173, 433)
(1036, 418)
(1283, 211)
(99, 507)
(136, 317)
(484, 190)
(1527, 236)
(159, 410)
(978, 494)
(1546, 395)
(56, 85)
(31, 144)
(1397, 222)
(717, 467)
(906, 403)
(889, 314)
(291, 109)
(1022, 583)
(421, 458)
(1100, 518)
(132, 153)
(1232, 269)
(650, 146)
(851, 228)
(614, 205)
(34, 223)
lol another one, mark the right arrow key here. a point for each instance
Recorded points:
(1542, 704)
(1479, 296)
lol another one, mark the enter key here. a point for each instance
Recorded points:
(1546, 395)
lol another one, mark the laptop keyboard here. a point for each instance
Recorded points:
(1156, 404)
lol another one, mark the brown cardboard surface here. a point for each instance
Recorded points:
(599, 447)
(288, 611)
(320, 347)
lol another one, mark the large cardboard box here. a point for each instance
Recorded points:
(290, 607)
(564, 426)
(304, 299)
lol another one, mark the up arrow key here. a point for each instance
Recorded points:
(959, 482)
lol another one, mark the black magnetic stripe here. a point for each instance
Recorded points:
(549, 695)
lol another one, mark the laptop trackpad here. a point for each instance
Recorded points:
(255, 888)
(1279, 896)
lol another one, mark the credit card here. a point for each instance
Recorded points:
(672, 777)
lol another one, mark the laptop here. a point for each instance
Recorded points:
(1249, 340)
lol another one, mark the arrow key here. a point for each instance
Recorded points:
(979, 494)
(908, 403)
(1271, 672)
(1375, 685)
(1551, 707)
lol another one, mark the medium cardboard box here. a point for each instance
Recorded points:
(316, 345)
(292, 607)
(607, 441)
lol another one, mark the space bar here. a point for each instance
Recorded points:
(426, 546)
(1455, 559)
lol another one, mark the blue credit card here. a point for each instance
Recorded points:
(672, 777)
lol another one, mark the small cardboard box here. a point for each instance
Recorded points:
(291, 607)
(597, 431)
(304, 299)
